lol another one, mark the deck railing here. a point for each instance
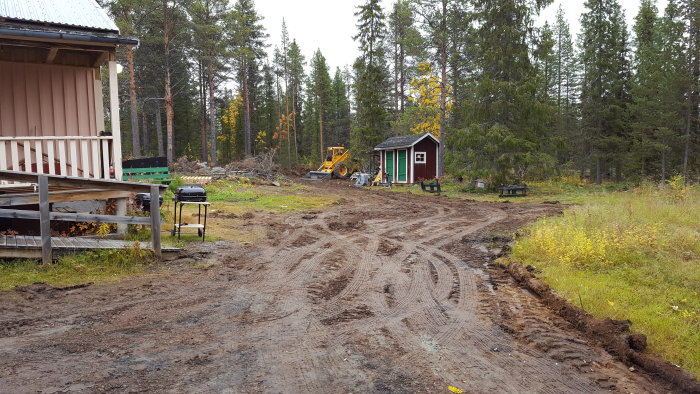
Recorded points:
(86, 189)
(85, 157)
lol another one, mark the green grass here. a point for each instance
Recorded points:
(567, 190)
(248, 197)
(95, 266)
(629, 255)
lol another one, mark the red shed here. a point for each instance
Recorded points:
(410, 158)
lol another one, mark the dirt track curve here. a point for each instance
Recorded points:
(386, 292)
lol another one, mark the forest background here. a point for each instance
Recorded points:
(509, 100)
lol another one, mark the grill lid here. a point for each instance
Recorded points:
(191, 193)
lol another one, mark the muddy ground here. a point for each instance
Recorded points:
(384, 293)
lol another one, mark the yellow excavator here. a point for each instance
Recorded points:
(335, 165)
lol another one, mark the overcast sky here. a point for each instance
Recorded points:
(330, 25)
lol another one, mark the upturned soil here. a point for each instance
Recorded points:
(384, 293)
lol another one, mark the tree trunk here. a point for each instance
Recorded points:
(320, 123)
(169, 116)
(246, 115)
(159, 133)
(145, 137)
(693, 90)
(443, 89)
(135, 140)
(202, 115)
(294, 124)
(212, 116)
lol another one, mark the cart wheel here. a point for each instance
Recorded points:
(199, 232)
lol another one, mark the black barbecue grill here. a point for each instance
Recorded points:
(190, 195)
(143, 201)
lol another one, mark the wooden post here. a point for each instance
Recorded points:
(44, 220)
(155, 220)
(121, 211)
(114, 117)
(116, 135)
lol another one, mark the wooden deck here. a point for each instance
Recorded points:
(29, 247)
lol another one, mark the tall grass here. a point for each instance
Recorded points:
(629, 255)
(93, 266)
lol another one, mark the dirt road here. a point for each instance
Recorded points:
(386, 292)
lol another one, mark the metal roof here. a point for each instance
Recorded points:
(86, 14)
(403, 141)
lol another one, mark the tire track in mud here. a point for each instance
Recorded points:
(363, 298)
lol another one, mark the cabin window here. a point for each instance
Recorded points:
(421, 158)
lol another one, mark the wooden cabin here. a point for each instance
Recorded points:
(52, 117)
(55, 146)
(410, 158)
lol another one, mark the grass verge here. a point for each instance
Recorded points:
(94, 266)
(565, 189)
(632, 255)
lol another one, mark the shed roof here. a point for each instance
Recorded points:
(404, 141)
(84, 14)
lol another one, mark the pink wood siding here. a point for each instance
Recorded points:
(46, 100)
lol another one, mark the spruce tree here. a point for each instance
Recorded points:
(605, 86)
(372, 84)
(509, 121)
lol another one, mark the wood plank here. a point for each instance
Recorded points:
(21, 242)
(3, 159)
(84, 159)
(38, 149)
(57, 242)
(114, 117)
(75, 217)
(73, 144)
(62, 159)
(20, 253)
(77, 182)
(11, 241)
(44, 220)
(96, 170)
(30, 242)
(105, 159)
(14, 150)
(10, 199)
(51, 157)
(27, 156)
(155, 220)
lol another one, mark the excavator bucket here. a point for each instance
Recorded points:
(317, 176)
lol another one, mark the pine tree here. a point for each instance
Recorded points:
(406, 46)
(208, 18)
(691, 10)
(320, 95)
(565, 92)
(372, 85)
(248, 50)
(339, 122)
(296, 78)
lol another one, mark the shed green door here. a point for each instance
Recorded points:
(390, 165)
(402, 166)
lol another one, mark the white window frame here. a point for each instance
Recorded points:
(425, 157)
